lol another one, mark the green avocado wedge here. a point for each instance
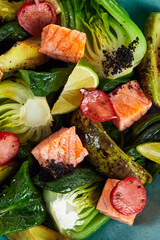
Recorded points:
(149, 68)
(104, 154)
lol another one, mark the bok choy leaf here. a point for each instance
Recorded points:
(73, 209)
(20, 204)
(43, 83)
(115, 45)
(22, 113)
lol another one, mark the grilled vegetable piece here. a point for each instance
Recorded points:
(38, 232)
(12, 32)
(7, 170)
(104, 154)
(9, 10)
(24, 55)
(149, 68)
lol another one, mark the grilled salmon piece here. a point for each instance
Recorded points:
(104, 204)
(63, 146)
(130, 104)
(63, 43)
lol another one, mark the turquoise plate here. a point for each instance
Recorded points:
(147, 223)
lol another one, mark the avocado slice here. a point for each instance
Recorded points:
(149, 68)
(36, 233)
(9, 9)
(24, 54)
(104, 154)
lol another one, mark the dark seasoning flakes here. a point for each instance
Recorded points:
(149, 38)
(120, 59)
(54, 170)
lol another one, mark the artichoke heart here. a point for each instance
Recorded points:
(149, 68)
(24, 54)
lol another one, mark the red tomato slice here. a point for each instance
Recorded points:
(97, 106)
(128, 196)
(9, 146)
(33, 16)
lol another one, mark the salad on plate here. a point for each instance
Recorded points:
(79, 117)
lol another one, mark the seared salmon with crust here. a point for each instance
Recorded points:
(130, 104)
(104, 204)
(62, 43)
(62, 146)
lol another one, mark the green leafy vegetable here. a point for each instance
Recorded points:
(144, 130)
(22, 113)
(12, 32)
(75, 213)
(115, 45)
(112, 131)
(153, 169)
(144, 123)
(147, 129)
(104, 154)
(134, 153)
(69, 182)
(42, 83)
(107, 85)
(24, 152)
(20, 204)
(151, 134)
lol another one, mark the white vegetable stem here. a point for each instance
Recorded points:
(36, 112)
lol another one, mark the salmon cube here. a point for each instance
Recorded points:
(63, 146)
(104, 204)
(130, 104)
(62, 43)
